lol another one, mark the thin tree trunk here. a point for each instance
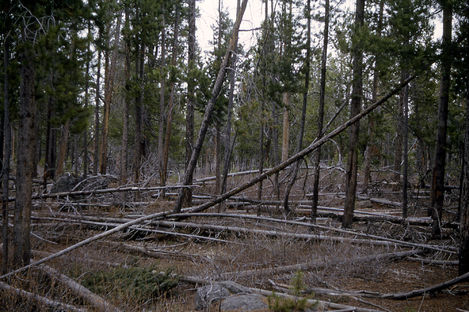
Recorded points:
(438, 180)
(6, 155)
(96, 116)
(125, 121)
(210, 106)
(370, 144)
(186, 200)
(303, 111)
(464, 215)
(322, 95)
(405, 137)
(285, 127)
(87, 85)
(110, 75)
(228, 144)
(163, 114)
(24, 166)
(51, 153)
(357, 92)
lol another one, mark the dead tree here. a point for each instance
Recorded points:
(209, 109)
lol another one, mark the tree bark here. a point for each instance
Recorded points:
(63, 148)
(188, 176)
(186, 200)
(357, 93)
(303, 110)
(370, 144)
(125, 119)
(464, 216)
(438, 179)
(96, 116)
(109, 89)
(163, 113)
(320, 120)
(87, 99)
(24, 165)
(405, 137)
(285, 127)
(6, 155)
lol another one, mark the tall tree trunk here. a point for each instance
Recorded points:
(285, 126)
(398, 142)
(322, 95)
(370, 143)
(5, 155)
(169, 117)
(63, 148)
(210, 107)
(228, 143)
(108, 91)
(87, 99)
(96, 116)
(357, 92)
(163, 114)
(187, 199)
(303, 110)
(51, 137)
(125, 118)
(405, 137)
(464, 215)
(24, 165)
(438, 180)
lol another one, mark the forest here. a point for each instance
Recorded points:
(322, 166)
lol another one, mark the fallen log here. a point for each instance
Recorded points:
(313, 146)
(105, 191)
(318, 264)
(55, 305)
(426, 290)
(80, 290)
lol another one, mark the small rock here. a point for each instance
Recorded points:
(246, 302)
(208, 294)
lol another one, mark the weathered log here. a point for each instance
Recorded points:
(80, 290)
(319, 264)
(56, 305)
(427, 290)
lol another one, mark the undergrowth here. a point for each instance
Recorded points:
(294, 304)
(136, 284)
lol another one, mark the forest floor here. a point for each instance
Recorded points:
(254, 252)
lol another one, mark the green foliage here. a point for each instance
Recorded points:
(280, 304)
(135, 283)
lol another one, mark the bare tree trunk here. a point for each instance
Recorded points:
(186, 200)
(464, 215)
(139, 111)
(163, 114)
(320, 120)
(210, 106)
(228, 143)
(24, 165)
(63, 148)
(370, 144)
(303, 111)
(108, 91)
(286, 127)
(87, 99)
(51, 153)
(6, 154)
(357, 92)
(405, 137)
(96, 116)
(438, 180)
(125, 119)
